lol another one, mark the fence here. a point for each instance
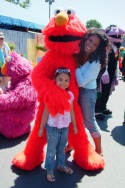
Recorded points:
(19, 38)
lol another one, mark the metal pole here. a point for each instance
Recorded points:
(49, 8)
(50, 3)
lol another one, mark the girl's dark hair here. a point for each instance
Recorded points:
(62, 68)
(100, 53)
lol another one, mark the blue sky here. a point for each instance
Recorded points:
(104, 11)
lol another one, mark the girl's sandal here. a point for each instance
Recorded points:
(65, 169)
(51, 177)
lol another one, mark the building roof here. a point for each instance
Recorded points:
(17, 18)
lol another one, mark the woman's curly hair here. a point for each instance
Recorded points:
(100, 53)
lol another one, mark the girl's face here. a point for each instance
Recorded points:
(91, 44)
(62, 80)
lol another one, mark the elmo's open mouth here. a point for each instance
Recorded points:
(65, 38)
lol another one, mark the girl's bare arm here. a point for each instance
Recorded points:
(73, 120)
(44, 119)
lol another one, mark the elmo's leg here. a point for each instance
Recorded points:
(33, 153)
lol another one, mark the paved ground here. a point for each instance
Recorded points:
(113, 141)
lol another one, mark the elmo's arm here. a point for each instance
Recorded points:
(43, 81)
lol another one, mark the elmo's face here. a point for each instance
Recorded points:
(63, 32)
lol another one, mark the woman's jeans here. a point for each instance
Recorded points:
(87, 100)
(57, 140)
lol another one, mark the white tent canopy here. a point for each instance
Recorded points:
(18, 13)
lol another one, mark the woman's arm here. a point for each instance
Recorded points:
(87, 73)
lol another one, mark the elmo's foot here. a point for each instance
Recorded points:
(89, 159)
(26, 162)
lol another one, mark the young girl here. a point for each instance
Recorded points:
(92, 56)
(57, 128)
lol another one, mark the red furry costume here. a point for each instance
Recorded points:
(62, 36)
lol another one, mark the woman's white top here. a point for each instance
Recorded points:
(87, 74)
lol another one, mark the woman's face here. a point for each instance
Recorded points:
(91, 44)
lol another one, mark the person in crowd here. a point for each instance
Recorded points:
(5, 49)
(57, 128)
(110, 78)
(2, 61)
(121, 57)
(123, 69)
(91, 58)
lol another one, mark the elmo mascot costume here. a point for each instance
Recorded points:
(61, 36)
(18, 105)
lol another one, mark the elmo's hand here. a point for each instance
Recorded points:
(56, 100)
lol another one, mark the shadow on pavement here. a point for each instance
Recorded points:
(37, 177)
(11, 142)
(103, 124)
(118, 134)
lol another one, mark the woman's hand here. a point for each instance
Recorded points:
(8, 58)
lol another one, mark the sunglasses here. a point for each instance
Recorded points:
(62, 70)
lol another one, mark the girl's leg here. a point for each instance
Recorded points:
(52, 139)
(61, 151)
(61, 146)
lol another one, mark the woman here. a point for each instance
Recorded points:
(90, 59)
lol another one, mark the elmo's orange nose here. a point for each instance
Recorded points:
(62, 19)
(4, 69)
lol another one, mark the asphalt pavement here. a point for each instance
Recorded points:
(113, 143)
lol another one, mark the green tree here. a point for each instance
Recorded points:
(22, 3)
(93, 23)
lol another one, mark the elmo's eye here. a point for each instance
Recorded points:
(57, 11)
(70, 12)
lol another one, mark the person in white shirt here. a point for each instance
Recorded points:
(91, 57)
(57, 128)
